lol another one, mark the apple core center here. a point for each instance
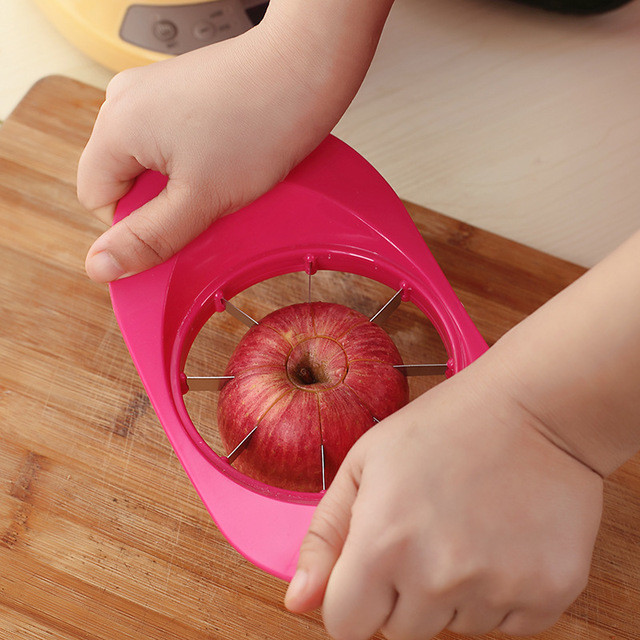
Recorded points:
(317, 364)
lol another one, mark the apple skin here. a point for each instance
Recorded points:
(307, 374)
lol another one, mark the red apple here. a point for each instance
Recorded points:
(307, 375)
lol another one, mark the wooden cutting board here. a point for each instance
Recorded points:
(101, 534)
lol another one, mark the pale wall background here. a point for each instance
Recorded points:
(517, 121)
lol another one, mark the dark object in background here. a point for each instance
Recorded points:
(578, 7)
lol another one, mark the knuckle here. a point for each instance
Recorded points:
(564, 583)
(338, 616)
(390, 548)
(124, 98)
(527, 624)
(348, 620)
(390, 632)
(555, 590)
(120, 83)
(201, 200)
(325, 530)
(150, 242)
(456, 569)
(335, 629)
(337, 632)
(503, 589)
(501, 597)
(86, 192)
(85, 179)
(470, 627)
(83, 191)
(316, 538)
(399, 631)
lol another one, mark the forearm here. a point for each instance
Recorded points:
(574, 364)
(330, 43)
(349, 27)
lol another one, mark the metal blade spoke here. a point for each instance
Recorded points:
(388, 308)
(238, 314)
(241, 447)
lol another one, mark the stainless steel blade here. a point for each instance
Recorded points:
(388, 308)
(241, 447)
(238, 314)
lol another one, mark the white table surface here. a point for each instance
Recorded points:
(517, 121)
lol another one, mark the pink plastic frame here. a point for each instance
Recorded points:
(334, 212)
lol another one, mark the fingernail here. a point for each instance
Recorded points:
(297, 587)
(103, 267)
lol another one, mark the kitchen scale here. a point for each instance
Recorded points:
(120, 34)
(332, 214)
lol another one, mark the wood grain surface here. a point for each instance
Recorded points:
(101, 534)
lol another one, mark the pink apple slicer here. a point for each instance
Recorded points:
(333, 212)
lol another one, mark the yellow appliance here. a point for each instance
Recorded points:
(120, 34)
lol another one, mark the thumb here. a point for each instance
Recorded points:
(325, 538)
(148, 236)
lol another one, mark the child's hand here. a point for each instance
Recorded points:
(477, 506)
(455, 512)
(225, 123)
